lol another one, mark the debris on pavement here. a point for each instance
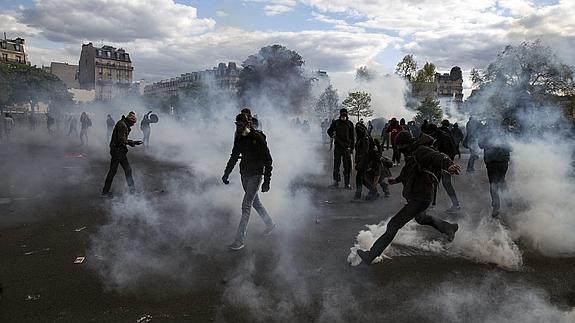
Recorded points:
(36, 251)
(33, 297)
(80, 229)
(79, 260)
(144, 319)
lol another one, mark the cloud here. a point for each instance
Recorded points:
(70, 21)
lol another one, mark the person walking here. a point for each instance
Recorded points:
(110, 123)
(341, 130)
(457, 136)
(146, 128)
(256, 162)
(85, 123)
(8, 126)
(472, 129)
(496, 154)
(393, 129)
(419, 177)
(119, 150)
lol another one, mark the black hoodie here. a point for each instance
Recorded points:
(255, 155)
(422, 170)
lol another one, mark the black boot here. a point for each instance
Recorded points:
(366, 256)
(450, 232)
(357, 195)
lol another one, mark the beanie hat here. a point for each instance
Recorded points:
(343, 110)
(131, 116)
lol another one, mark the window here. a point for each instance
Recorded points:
(108, 54)
(100, 53)
(100, 71)
(4, 57)
(3, 44)
(17, 47)
(19, 59)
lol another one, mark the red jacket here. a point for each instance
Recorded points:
(394, 130)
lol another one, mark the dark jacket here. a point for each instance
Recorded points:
(422, 171)
(496, 148)
(342, 132)
(444, 142)
(255, 155)
(457, 135)
(119, 138)
(472, 132)
(362, 150)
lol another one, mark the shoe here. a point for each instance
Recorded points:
(365, 256)
(269, 230)
(334, 185)
(107, 195)
(454, 209)
(236, 246)
(451, 231)
(348, 187)
(357, 196)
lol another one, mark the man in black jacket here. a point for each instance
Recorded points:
(341, 130)
(419, 176)
(256, 162)
(472, 133)
(119, 151)
(363, 162)
(496, 154)
(444, 143)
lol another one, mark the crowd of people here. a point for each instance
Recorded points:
(429, 152)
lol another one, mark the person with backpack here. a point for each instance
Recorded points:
(420, 177)
(393, 129)
(444, 144)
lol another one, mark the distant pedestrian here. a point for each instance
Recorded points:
(393, 129)
(256, 162)
(385, 137)
(8, 126)
(342, 132)
(473, 130)
(419, 176)
(73, 126)
(50, 123)
(85, 124)
(110, 123)
(457, 136)
(146, 129)
(119, 151)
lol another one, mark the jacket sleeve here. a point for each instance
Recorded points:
(233, 159)
(123, 138)
(431, 159)
(351, 133)
(331, 129)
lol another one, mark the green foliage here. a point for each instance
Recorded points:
(429, 109)
(407, 67)
(327, 105)
(274, 76)
(20, 83)
(363, 74)
(358, 104)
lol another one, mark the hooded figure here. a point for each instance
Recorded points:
(119, 150)
(419, 176)
(341, 130)
(393, 130)
(363, 155)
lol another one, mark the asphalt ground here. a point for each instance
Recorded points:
(51, 213)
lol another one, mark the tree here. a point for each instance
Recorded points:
(423, 84)
(363, 74)
(429, 109)
(358, 104)
(406, 67)
(328, 103)
(476, 77)
(274, 76)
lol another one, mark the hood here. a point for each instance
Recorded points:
(423, 140)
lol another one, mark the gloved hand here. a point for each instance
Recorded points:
(266, 186)
(225, 179)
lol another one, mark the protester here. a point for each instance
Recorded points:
(119, 151)
(49, 123)
(444, 144)
(256, 161)
(457, 136)
(385, 136)
(324, 125)
(496, 154)
(419, 176)
(341, 130)
(369, 128)
(414, 129)
(8, 126)
(393, 129)
(361, 158)
(110, 123)
(146, 129)
(472, 129)
(73, 125)
(85, 123)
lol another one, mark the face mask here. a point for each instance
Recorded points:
(245, 132)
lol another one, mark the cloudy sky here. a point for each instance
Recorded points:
(168, 37)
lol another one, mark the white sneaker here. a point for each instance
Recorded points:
(236, 246)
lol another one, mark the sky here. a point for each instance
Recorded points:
(166, 38)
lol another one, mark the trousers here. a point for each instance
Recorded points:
(496, 172)
(118, 160)
(341, 154)
(251, 185)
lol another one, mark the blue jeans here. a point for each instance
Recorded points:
(251, 186)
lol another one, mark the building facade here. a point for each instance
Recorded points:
(449, 90)
(224, 77)
(12, 51)
(106, 70)
(65, 72)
